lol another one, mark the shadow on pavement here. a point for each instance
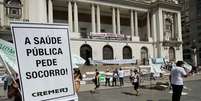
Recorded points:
(160, 100)
(164, 100)
(129, 93)
(154, 87)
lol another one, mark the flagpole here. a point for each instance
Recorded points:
(10, 73)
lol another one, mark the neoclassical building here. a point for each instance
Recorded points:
(106, 29)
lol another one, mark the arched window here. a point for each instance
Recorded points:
(127, 52)
(144, 55)
(13, 8)
(171, 54)
(86, 52)
(107, 52)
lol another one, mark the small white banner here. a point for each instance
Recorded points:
(44, 61)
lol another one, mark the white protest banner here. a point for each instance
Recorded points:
(7, 53)
(44, 61)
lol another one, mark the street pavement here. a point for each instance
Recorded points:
(127, 93)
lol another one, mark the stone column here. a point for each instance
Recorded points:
(195, 57)
(114, 21)
(148, 26)
(118, 22)
(153, 31)
(75, 17)
(37, 11)
(132, 24)
(98, 19)
(153, 27)
(1, 14)
(93, 18)
(136, 24)
(179, 33)
(160, 52)
(70, 19)
(50, 11)
(26, 10)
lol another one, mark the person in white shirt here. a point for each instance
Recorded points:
(121, 77)
(176, 79)
(107, 77)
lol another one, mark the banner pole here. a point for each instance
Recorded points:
(10, 73)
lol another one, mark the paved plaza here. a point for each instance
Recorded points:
(126, 93)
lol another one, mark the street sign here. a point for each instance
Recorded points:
(44, 61)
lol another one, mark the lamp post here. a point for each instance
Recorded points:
(194, 53)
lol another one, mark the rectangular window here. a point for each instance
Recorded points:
(200, 54)
(186, 4)
(103, 30)
(198, 7)
(83, 32)
(14, 12)
(199, 27)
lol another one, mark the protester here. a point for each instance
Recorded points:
(121, 77)
(5, 84)
(77, 78)
(14, 90)
(96, 81)
(136, 81)
(107, 78)
(114, 77)
(131, 75)
(177, 74)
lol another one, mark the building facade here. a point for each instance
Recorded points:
(191, 25)
(106, 29)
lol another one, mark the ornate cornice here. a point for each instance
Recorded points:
(164, 4)
(118, 41)
(134, 3)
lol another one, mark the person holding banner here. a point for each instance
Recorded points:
(14, 91)
(5, 84)
(77, 78)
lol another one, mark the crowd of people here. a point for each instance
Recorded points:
(112, 78)
(178, 71)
